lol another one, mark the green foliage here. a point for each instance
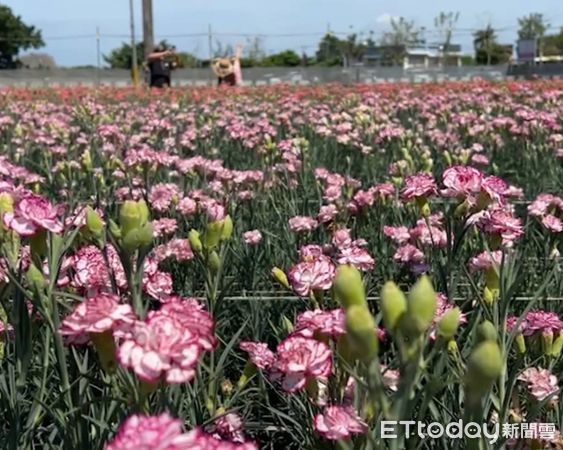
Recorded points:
(532, 26)
(121, 57)
(16, 36)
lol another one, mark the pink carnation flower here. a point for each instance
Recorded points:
(462, 182)
(259, 353)
(421, 185)
(187, 206)
(502, 223)
(162, 195)
(253, 237)
(161, 348)
(541, 383)
(310, 252)
(356, 256)
(399, 235)
(178, 249)
(164, 227)
(542, 322)
(229, 427)
(161, 432)
(192, 315)
(32, 214)
(391, 378)
(97, 315)
(299, 224)
(318, 322)
(300, 359)
(485, 260)
(339, 422)
(408, 254)
(552, 223)
(327, 213)
(308, 276)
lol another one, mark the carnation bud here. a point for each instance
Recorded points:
(227, 231)
(393, 304)
(87, 160)
(484, 367)
(38, 244)
(349, 287)
(214, 262)
(146, 235)
(94, 222)
(35, 278)
(213, 234)
(6, 203)
(280, 277)
(449, 323)
(486, 332)
(492, 287)
(422, 303)
(227, 387)
(557, 346)
(521, 343)
(114, 229)
(131, 241)
(129, 217)
(249, 371)
(195, 241)
(106, 349)
(424, 207)
(360, 326)
(144, 211)
(547, 342)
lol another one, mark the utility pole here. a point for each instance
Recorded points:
(99, 66)
(210, 50)
(148, 27)
(134, 69)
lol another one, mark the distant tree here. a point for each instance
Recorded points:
(37, 61)
(403, 34)
(223, 51)
(532, 26)
(121, 58)
(445, 23)
(329, 52)
(287, 58)
(254, 49)
(353, 49)
(552, 44)
(485, 43)
(18, 37)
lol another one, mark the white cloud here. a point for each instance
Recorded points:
(385, 19)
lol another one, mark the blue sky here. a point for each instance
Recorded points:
(69, 26)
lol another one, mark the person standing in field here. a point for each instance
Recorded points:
(228, 70)
(160, 67)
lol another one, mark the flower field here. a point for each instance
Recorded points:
(282, 267)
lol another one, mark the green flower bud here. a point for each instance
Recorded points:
(106, 349)
(361, 329)
(249, 371)
(281, 277)
(214, 262)
(422, 304)
(485, 365)
(146, 235)
(449, 323)
(557, 346)
(213, 234)
(38, 244)
(94, 222)
(227, 231)
(547, 342)
(87, 160)
(132, 241)
(424, 207)
(521, 343)
(144, 211)
(349, 287)
(195, 241)
(114, 229)
(6, 203)
(393, 305)
(486, 332)
(129, 217)
(35, 278)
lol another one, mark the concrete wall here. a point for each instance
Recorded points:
(255, 76)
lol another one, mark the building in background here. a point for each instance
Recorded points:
(430, 56)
